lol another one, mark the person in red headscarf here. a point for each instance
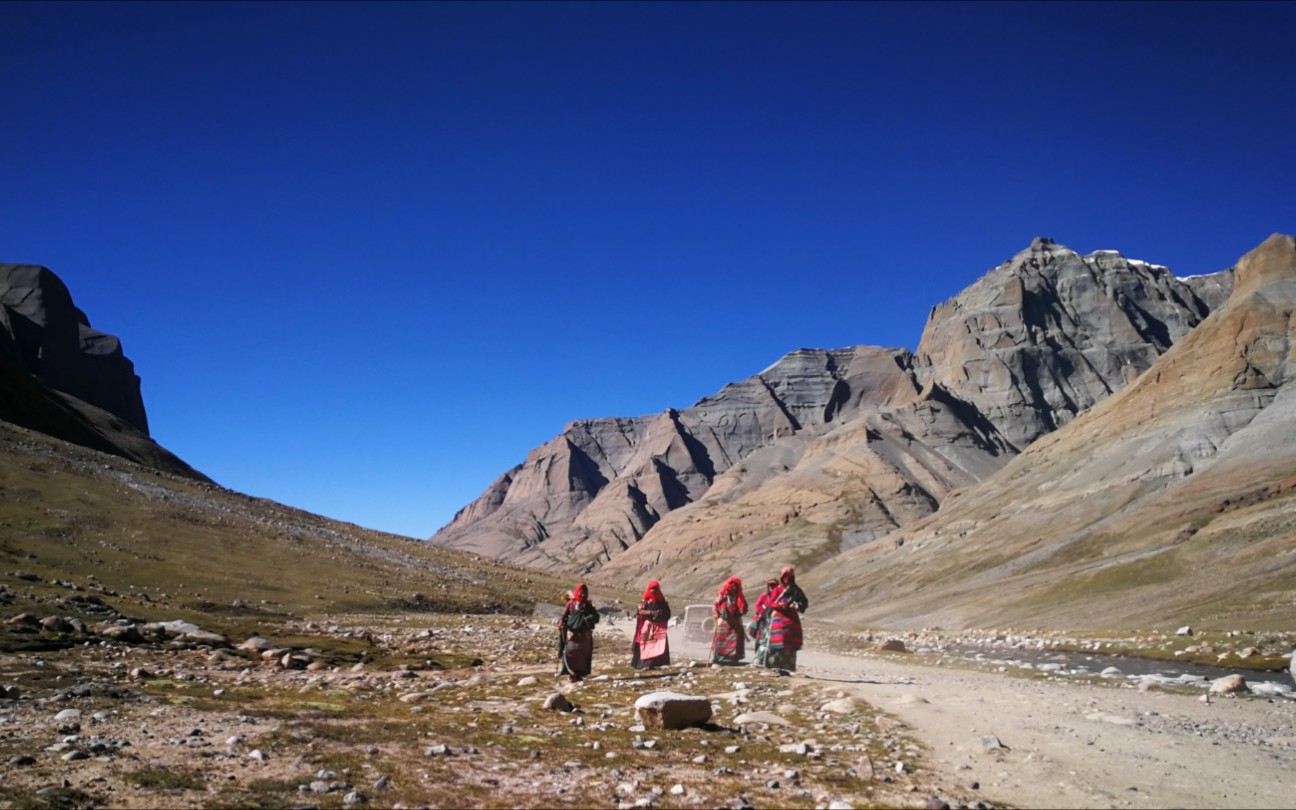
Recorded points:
(760, 619)
(728, 645)
(783, 637)
(577, 635)
(651, 646)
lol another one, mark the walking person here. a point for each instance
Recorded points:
(728, 645)
(576, 629)
(760, 619)
(651, 645)
(783, 636)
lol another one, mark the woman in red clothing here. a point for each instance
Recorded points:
(727, 643)
(577, 635)
(761, 618)
(783, 636)
(651, 646)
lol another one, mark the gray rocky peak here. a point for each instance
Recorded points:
(825, 450)
(1049, 333)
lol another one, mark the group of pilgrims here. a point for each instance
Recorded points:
(775, 626)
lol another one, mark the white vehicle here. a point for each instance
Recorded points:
(699, 623)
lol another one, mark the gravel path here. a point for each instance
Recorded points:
(1069, 744)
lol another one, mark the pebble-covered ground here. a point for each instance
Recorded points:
(438, 712)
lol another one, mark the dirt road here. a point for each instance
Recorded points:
(1068, 744)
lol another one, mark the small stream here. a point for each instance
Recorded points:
(1175, 673)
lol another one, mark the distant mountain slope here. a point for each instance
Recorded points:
(60, 376)
(162, 546)
(826, 450)
(1173, 501)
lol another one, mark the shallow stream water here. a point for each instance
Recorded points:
(1078, 664)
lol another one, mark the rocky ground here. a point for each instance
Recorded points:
(439, 712)
(460, 711)
(1028, 737)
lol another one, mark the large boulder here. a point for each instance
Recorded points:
(672, 710)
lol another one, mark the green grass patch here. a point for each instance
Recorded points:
(62, 798)
(169, 779)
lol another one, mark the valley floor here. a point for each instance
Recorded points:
(454, 711)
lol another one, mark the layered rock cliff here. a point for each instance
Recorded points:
(62, 377)
(829, 449)
(1177, 492)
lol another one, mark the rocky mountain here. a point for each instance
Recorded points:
(830, 449)
(1172, 501)
(62, 377)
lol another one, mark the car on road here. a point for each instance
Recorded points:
(699, 624)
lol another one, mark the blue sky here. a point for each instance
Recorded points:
(366, 256)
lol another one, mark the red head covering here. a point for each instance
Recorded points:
(733, 587)
(787, 576)
(581, 594)
(653, 592)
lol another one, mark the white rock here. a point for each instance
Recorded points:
(1114, 719)
(749, 718)
(557, 702)
(179, 627)
(1228, 685)
(672, 710)
(842, 706)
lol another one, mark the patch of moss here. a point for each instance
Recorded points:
(63, 798)
(165, 779)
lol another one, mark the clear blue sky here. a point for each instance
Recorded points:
(366, 256)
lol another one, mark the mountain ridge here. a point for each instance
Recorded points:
(998, 365)
(1174, 500)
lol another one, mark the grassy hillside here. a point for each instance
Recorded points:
(78, 525)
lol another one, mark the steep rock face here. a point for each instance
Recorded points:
(46, 335)
(65, 379)
(1173, 500)
(826, 450)
(1049, 334)
(595, 490)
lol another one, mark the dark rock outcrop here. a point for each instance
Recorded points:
(47, 336)
(63, 378)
